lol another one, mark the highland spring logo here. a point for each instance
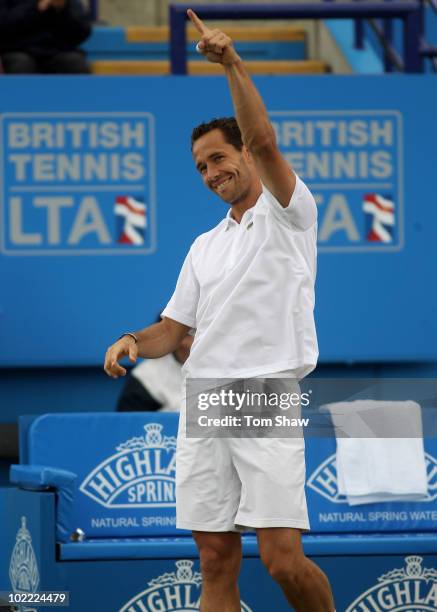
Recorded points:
(23, 568)
(324, 480)
(412, 588)
(176, 591)
(140, 475)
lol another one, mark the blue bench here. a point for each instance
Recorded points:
(112, 476)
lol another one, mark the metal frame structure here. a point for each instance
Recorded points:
(379, 15)
(409, 11)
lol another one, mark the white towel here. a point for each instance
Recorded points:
(372, 468)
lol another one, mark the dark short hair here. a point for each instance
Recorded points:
(228, 127)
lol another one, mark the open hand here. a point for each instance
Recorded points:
(215, 45)
(125, 347)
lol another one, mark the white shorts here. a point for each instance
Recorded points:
(229, 484)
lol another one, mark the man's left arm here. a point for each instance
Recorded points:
(257, 132)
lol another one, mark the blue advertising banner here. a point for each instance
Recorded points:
(78, 183)
(401, 577)
(330, 511)
(100, 201)
(353, 162)
(125, 473)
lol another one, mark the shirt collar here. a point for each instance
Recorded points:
(245, 220)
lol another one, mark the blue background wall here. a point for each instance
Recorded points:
(62, 304)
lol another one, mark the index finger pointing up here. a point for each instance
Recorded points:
(198, 23)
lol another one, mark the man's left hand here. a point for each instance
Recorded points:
(215, 45)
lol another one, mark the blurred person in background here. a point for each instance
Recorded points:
(43, 36)
(156, 384)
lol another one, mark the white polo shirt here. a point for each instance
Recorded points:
(248, 291)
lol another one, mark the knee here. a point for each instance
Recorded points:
(219, 563)
(290, 572)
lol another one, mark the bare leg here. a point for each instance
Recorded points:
(220, 560)
(304, 584)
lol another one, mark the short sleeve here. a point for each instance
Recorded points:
(301, 212)
(182, 306)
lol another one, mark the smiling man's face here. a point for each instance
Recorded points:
(225, 170)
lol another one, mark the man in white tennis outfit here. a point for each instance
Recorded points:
(247, 288)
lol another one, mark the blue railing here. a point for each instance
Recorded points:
(384, 33)
(427, 50)
(94, 10)
(409, 11)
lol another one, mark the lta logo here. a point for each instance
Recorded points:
(77, 184)
(140, 475)
(412, 588)
(352, 160)
(380, 216)
(132, 220)
(176, 591)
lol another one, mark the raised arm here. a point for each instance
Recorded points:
(256, 130)
(154, 341)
